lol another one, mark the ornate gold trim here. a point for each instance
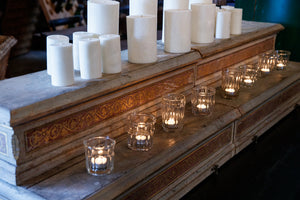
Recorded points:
(88, 118)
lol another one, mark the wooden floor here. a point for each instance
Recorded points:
(267, 169)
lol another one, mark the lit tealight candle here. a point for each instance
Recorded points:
(99, 162)
(202, 106)
(230, 90)
(265, 70)
(280, 66)
(140, 139)
(170, 121)
(248, 81)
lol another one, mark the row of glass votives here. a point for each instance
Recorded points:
(99, 151)
(273, 60)
(246, 75)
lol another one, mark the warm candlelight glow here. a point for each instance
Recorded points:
(140, 137)
(248, 81)
(201, 106)
(265, 70)
(280, 65)
(100, 160)
(230, 90)
(170, 121)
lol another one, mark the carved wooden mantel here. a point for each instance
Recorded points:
(42, 127)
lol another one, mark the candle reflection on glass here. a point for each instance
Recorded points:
(99, 153)
(203, 100)
(172, 112)
(140, 131)
(231, 79)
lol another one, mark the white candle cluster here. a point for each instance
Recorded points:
(98, 50)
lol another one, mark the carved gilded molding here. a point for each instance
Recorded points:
(88, 118)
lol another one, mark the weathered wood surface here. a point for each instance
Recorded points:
(134, 167)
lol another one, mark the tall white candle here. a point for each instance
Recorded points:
(236, 20)
(76, 36)
(203, 22)
(62, 73)
(177, 31)
(90, 58)
(141, 38)
(173, 4)
(103, 16)
(143, 7)
(199, 1)
(53, 39)
(111, 53)
(223, 25)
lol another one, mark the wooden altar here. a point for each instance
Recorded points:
(42, 127)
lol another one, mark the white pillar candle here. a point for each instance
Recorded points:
(173, 4)
(62, 73)
(236, 20)
(178, 31)
(103, 16)
(53, 39)
(141, 38)
(223, 25)
(203, 22)
(111, 53)
(76, 36)
(143, 7)
(199, 1)
(90, 58)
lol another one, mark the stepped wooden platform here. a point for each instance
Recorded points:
(42, 127)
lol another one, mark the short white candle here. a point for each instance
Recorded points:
(172, 4)
(62, 73)
(103, 16)
(203, 22)
(177, 31)
(53, 39)
(141, 38)
(143, 7)
(90, 58)
(223, 24)
(76, 36)
(111, 53)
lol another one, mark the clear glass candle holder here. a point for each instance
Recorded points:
(282, 59)
(172, 112)
(140, 132)
(231, 80)
(248, 74)
(99, 155)
(203, 100)
(267, 63)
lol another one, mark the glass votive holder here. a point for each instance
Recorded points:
(248, 75)
(267, 63)
(231, 80)
(140, 132)
(172, 112)
(99, 155)
(282, 59)
(203, 100)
